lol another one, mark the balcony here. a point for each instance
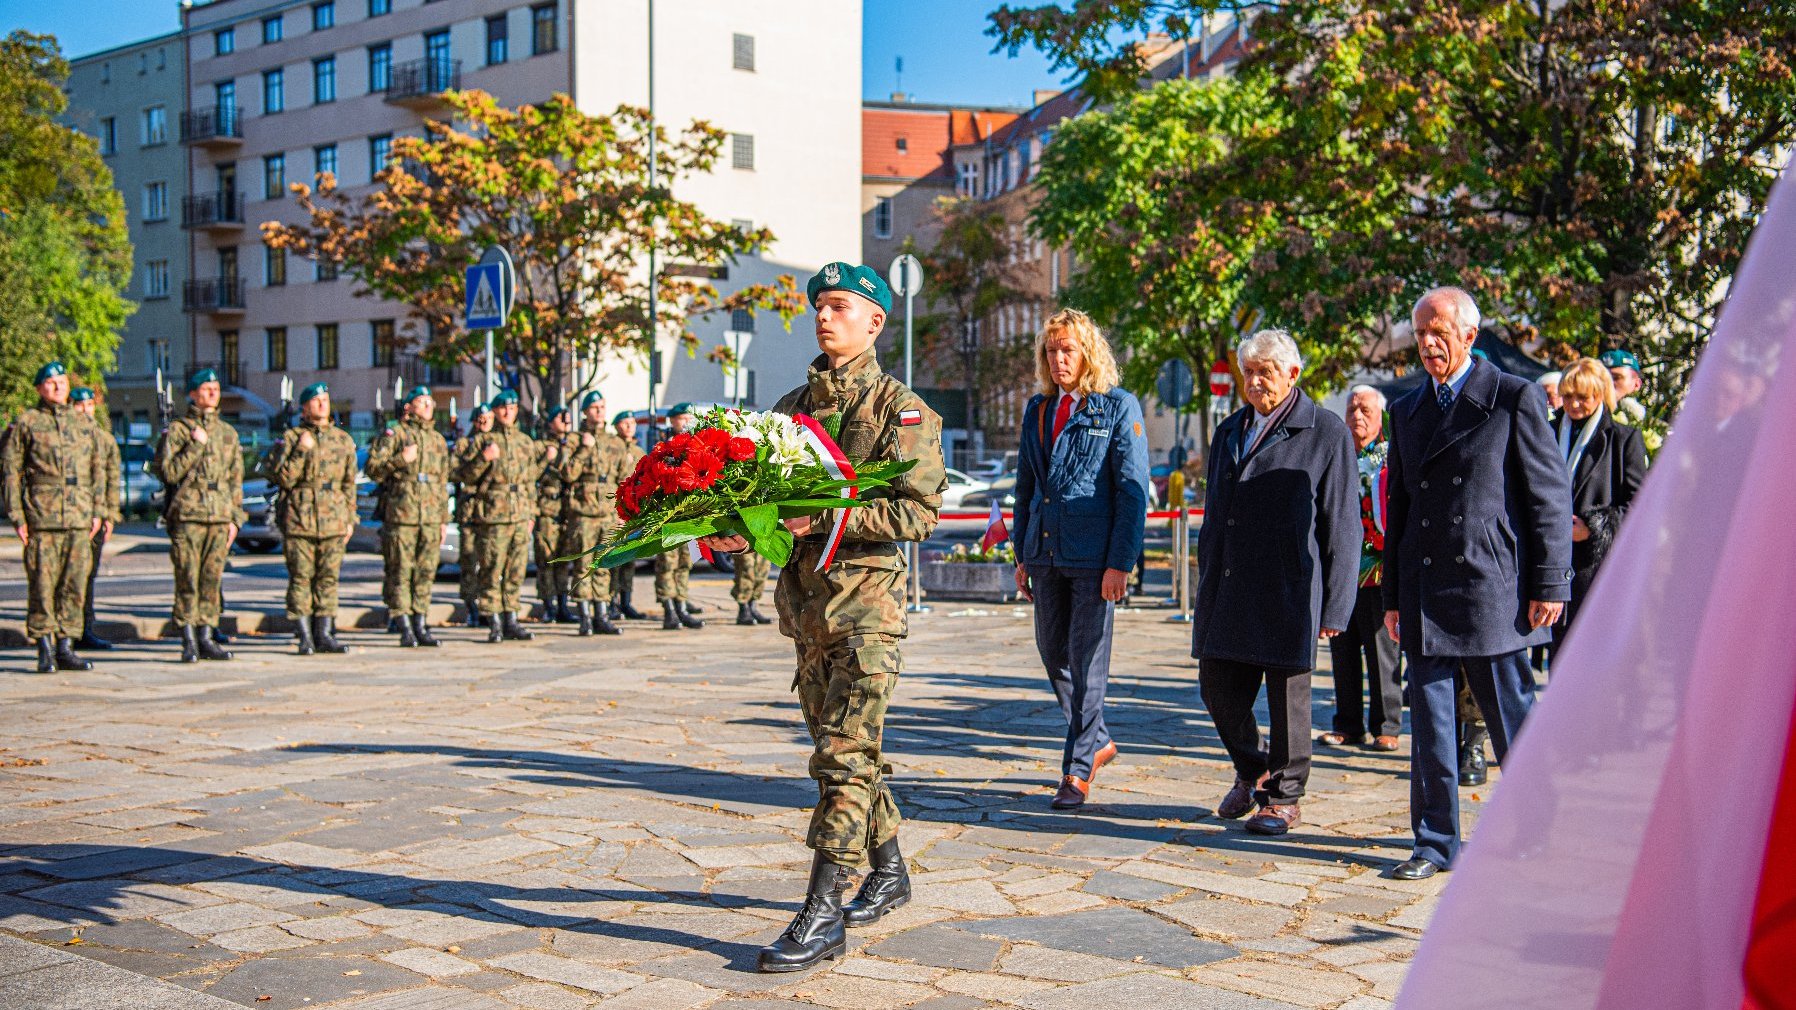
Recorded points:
(422, 82)
(212, 211)
(218, 296)
(217, 127)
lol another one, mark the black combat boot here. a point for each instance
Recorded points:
(494, 634)
(208, 646)
(584, 609)
(90, 642)
(690, 607)
(670, 618)
(885, 889)
(624, 593)
(563, 614)
(474, 618)
(817, 931)
(303, 628)
(611, 611)
(190, 648)
(46, 656)
(760, 618)
(66, 658)
(684, 609)
(395, 624)
(1473, 770)
(601, 623)
(743, 616)
(324, 630)
(508, 624)
(421, 631)
(220, 637)
(408, 636)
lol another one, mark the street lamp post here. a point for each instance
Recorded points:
(654, 289)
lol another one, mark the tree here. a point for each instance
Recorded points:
(65, 256)
(569, 196)
(1590, 170)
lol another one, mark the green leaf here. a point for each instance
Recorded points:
(776, 546)
(760, 520)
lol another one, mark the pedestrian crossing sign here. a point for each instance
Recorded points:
(485, 308)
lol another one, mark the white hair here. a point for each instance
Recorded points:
(1465, 311)
(1363, 388)
(1551, 378)
(1270, 345)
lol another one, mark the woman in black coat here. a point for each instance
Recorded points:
(1607, 463)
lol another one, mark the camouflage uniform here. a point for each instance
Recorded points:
(469, 526)
(552, 579)
(414, 505)
(848, 618)
(316, 512)
(55, 486)
(751, 578)
(623, 579)
(502, 499)
(204, 494)
(673, 575)
(107, 447)
(592, 473)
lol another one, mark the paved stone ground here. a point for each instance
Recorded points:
(617, 822)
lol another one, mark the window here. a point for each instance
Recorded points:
(108, 135)
(436, 51)
(742, 151)
(882, 217)
(274, 176)
(271, 30)
(378, 7)
(224, 41)
(227, 356)
(542, 29)
(276, 341)
(224, 95)
(324, 80)
(442, 375)
(106, 73)
(324, 15)
(380, 335)
(155, 201)
(969, 178)
(380, 151)
(274, 91)
(325, 270)
(324, 159)
(380, 67)
(742, 321)
(227, 263)
(498, 33)
(903, 145)
(327, 346)
(155, 279)
(274, 272)
(744, 52)
(154, 126)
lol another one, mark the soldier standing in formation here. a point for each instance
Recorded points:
(592, 471)
(623, 579)
(499, 475)
(314, 467)
(410, 461)
(552, 577)
(201, 468)
(673, 570)
(468, 522)
(54, 492)
(83, 400)
(847, 619)
(750, 582)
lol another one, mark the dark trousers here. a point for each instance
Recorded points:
(1364, 655)
(1072, 632)
(1504, 689)
(1229, 690)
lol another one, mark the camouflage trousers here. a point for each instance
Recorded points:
(56, 566)
(469, 562)
(673, 573)
(844, 688)
(552, 578)
(410, 554)
(580, 534)
(504, 556)
(751, 578)
(1468, 713)
(198, 552)
(312, 567)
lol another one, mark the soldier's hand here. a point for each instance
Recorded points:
(93, 529)
(230, 535)
(409, 453)
(490, 453)
(199, 435)
(587, 440)
(553, 451)
(720, 543)
(305, 441)
(349, 535)
(799, 526)
(108, 526)
(24, 533)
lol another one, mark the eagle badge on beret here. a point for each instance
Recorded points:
(832, 274)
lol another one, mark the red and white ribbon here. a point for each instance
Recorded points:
(835, 463)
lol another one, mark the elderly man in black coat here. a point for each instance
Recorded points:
(1278, 563)
(1477, 554)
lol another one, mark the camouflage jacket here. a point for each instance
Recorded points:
(317, 484)
(107, 446)
(551, 486)
(501, 490)
(203, 480)
(412, 493)
(632, 448)
(53, 472)
(593, 472)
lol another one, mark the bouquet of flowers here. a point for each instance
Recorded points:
(740, 472)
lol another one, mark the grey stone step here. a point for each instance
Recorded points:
(36, 977)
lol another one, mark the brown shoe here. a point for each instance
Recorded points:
(1072, 794)
(1332, 739)
(1104, 756)
(1238, 801)
(1383, 743)
(1275, 819)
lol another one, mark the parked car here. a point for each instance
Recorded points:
(138, 491)
(1003, 490)
(959, 486)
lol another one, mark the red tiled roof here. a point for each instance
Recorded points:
(927, 132)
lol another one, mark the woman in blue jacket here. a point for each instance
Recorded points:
(1081, 504)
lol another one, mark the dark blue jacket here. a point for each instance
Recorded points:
(1478, 518)
(1278, 553)
(1081, 502)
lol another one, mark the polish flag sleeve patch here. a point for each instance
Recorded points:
(906, 418)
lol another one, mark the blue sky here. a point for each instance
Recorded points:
(946, 53)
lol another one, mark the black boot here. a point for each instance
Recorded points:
(190, 647)
(816, 933)
(474, 618)
(208, 645)
(1473, 771)
(760, 618)
(66, 658)
(304, 630)
(885, 889)
(408, 636)
(324, 630)
(624, 593)
(743, 616)
(585, 611)
(421, 631)
(90, 642)
(601, 624)
(690, 607)
(395, 624)
(563, 613)
(684, 609)
(46, 656)
(219, 637)
(508, 624)
(494, 634)
(670, 618)
(612, 612)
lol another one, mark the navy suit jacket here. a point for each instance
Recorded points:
(1478, 519)
(1081, 501)
(1278, 552)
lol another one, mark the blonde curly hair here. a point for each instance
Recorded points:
(1099, 375)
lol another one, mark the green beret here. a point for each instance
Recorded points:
(48, 372)
(591, 398)
(624, 415)
(1478, 352)
(314, 390)
(504, 397)
(416, 392)
(80, 394)
(679, 408)
(200, 378)
(561, 411)
(1617, 357)
(861, 280)
(479, 409)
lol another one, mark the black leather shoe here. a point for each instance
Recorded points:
(421, 631)
(1415, 869)
(509, 626)
(66, 658)
(584, 610)
(494, 633)
(46, 656)
(90, 642)
(208, 649)
(886, 888)
(408, 636)
(684, 610)
(1473, 769)
(760, 618)
(324, 631)
(743, 616)
(670, 618)
(190, 646)
(1238, 801)
(306, 645)
(816, 933)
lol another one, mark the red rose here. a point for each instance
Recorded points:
(739, 450)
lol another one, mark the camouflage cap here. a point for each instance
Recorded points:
(504, 398)
(861, 280)
(313, 391)
(416, 392)
(50, 371)
(201, 377)
(80, 394)
(591, 398)
(1619, 357)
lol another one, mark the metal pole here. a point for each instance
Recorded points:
(654, 284)
(1183, 527)
(486, 391)
(910, 549)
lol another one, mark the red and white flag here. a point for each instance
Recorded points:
(835, 463)
(995, 530)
